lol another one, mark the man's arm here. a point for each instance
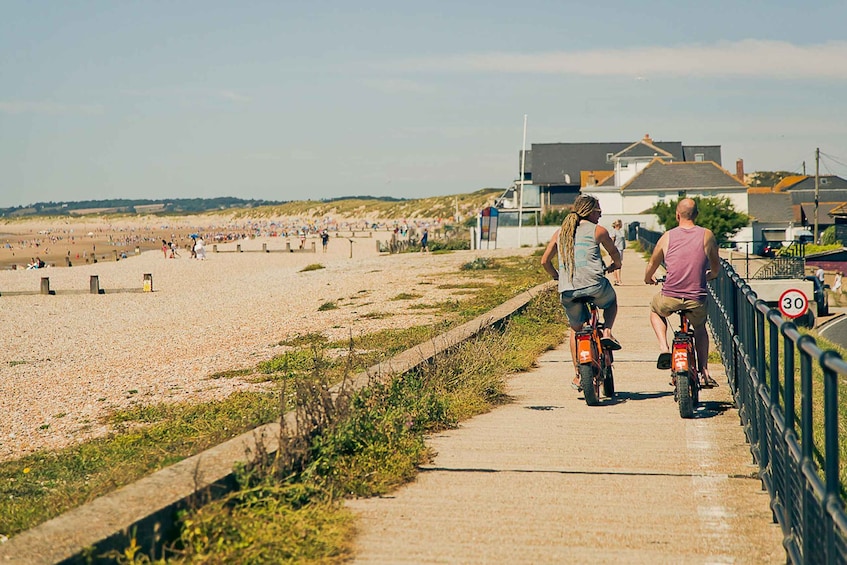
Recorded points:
(601, 236)
(549, 253)
(711, 246)
(656, 259)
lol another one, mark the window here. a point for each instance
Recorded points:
(824, 181)
(699, 157)
(624, 164)
(609, 157)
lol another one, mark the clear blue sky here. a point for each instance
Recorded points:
(290, 100)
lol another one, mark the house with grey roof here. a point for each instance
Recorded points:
(645, 173)
(791, 203)
(554, 173)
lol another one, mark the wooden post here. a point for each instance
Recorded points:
(288, 246)
(238, 248)
(313, 247)
(148, 282)
(214, 248)
(68, 260)
(45, 285)
(265, 247)
(116, 255)
(94, 284)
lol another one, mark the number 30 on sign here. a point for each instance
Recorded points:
(793, 303)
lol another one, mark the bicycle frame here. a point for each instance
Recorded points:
(683, 346)
(593, 357)
(684, 367)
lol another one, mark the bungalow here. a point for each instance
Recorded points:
(791, 202)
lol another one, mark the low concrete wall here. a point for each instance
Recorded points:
(147, 507)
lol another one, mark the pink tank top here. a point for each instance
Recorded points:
(686, 264)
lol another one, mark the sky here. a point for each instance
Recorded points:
(296, 100)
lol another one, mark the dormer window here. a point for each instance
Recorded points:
(609, 157)
(824, 180)
(699, 157)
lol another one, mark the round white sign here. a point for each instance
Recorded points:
(793, 303)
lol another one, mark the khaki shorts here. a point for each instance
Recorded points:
(664, 306)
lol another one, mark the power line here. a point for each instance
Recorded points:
(833, 158)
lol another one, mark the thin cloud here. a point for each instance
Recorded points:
(234, 96)
(749, 58)
(396, 86)
(48, 108)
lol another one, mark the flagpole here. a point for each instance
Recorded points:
(520, 196)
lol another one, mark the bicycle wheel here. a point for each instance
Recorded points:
(590, 386)
(608, 382)
(684, 395)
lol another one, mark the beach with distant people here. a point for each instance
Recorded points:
(70, 358)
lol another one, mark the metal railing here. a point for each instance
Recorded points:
(760, 351)
(801, 476)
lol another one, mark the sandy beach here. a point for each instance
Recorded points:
(67, 360)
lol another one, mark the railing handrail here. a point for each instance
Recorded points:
(809, 507)
(759, 348)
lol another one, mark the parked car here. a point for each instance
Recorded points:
(768, 251)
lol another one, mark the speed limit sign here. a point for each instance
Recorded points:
(793, 303)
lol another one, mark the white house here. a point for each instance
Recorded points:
(645, 174)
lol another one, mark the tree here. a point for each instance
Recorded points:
(715, 213)
(828, 237)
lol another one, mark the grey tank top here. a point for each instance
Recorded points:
(588, 263)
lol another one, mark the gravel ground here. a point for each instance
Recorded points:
(67, 360)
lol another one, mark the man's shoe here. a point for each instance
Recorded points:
(610, 343)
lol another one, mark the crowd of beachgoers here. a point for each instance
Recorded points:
(64, 242)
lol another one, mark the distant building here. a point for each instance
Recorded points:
(556, 173)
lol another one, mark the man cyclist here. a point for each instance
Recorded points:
(690, 254)
(581, 272)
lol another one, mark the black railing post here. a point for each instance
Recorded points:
(806, 435)
(833, 481)
(806, 445)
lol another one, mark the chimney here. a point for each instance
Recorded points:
(647, 138)
(739, 170)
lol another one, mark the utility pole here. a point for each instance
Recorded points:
(817, 174)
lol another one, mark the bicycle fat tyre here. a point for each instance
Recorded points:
(590, 388)
(608, 383)
(684, 396)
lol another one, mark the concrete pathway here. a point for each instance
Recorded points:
(547, 479)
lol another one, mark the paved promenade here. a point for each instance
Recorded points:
(547, 479)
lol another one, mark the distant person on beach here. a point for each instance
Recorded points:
(620, 244)
(174, 252)
(200, 248)
(165, 248)
(425, 241)
(324, 239)
(302, 239)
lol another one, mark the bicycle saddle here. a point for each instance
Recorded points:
(584, 299)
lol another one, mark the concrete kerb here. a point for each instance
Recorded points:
(146, 508)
